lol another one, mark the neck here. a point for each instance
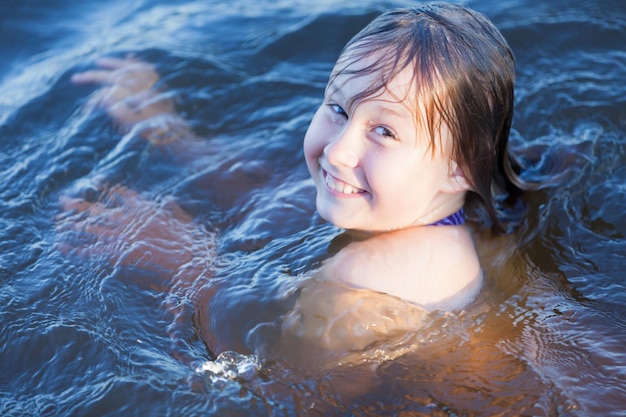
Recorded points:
(445, 209)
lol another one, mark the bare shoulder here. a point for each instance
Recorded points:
(435, 267)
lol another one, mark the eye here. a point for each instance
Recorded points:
(383, 131)
(335, 108)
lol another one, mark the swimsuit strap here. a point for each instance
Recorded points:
(455, 219)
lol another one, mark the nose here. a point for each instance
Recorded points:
(344, 149)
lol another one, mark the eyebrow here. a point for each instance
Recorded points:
(406, 113)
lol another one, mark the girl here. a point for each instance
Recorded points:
(413, 129)
(412, 132)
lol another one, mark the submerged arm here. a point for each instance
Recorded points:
(133, 96)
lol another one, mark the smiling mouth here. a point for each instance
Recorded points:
(338, 186)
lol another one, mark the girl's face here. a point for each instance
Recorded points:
(372, 164)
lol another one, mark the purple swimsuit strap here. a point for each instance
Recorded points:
(455, 219)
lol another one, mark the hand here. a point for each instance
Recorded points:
(130, 91)
(129, 230)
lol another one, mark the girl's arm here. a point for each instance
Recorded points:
(130, 91)
(133, 95)
(121, 226)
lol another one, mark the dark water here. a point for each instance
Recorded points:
(82, 336)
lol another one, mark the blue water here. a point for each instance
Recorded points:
(83, 336)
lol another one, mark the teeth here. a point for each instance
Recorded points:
(339, 186)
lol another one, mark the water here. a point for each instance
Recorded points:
(82, 335)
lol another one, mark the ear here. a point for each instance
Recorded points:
(456, 182)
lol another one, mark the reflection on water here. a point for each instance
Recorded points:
(82, 335)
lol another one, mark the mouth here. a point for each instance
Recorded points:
(339, 187)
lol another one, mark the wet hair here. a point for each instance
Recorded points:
(463, 73)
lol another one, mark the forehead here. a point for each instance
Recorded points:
(370, 76)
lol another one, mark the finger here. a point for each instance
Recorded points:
(115, 63)
(122, 66)
(92, 77)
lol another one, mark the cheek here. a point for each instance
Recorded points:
(313, 144)
(309, 149)
(388, 173)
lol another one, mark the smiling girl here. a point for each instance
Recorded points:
(414, 126)
(413, 130)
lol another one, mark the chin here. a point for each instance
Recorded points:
(333, 218)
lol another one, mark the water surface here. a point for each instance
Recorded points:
(80, 336)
